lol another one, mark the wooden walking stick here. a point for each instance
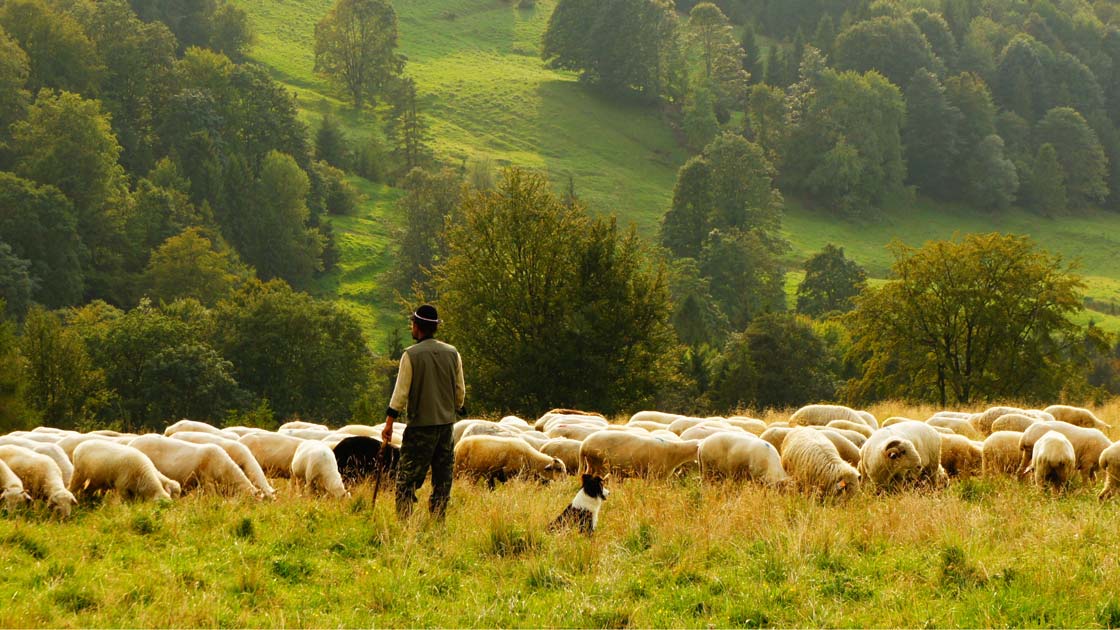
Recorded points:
(380, 473)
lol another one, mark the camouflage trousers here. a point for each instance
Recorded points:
(425, 448)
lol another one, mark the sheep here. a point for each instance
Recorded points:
(848, 425)
(983, 421)
(298, 425)
(53, 451)
(868, 418)
(103, 465)
(1001, 453)
(565, 450)
(573, 431)
(497, 458)
(306, 434)
(1109, 461)
(40, 476)
(780, 424)
(39, 438)
(635, 455)
(741, 456)
(1038, 414)
(960, 456)
(903, 452)
(197, 427)
(702, 431)
(71, 442)
(963, 415)
(960, 426)
(1087, 445)
(360, 457)
(515, 422)
(535, 438)
(555, 417)
(314, 464)
(194, 464)
(11, 488)
(238, 452)
(648, 425)
(1052, 460)
(1077, 416)
(665, 434)
(272, 451)
(823, 414)
(484, 427)
(1013, 422)
(893, 420)
(750, 425)
(849, 452)
(684, 423)
(241, 431)
(56, 431)
(776, 436)
(855, 437)
(398, 433)
(813, 462)
(659, 417)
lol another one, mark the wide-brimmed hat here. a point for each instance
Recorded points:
(426, 313)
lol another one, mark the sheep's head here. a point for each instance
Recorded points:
(63, 501)
(13, 498)
(847, 484)
(554, 470)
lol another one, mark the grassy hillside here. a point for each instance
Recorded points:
(488, 95)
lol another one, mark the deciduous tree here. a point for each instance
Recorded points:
(355, 45)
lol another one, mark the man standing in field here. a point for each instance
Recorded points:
(430, 385)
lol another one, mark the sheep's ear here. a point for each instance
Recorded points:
(840, 485)
(26, 495)
(894, 449)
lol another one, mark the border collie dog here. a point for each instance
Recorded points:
(584, 509)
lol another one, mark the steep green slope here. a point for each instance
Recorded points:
(487, 94)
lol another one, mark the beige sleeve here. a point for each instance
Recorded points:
(399, 400)
(460, 383)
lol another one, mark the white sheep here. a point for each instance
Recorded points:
(741, 456)
(11, 488)
(1001, 453)
(750, 425)
(869, 418)
(239, 453)
(298, 425)
(1109, 461)
(40, 476)
(194, 464)
(855, 437)
(823, 414)
(960, 456)
(306, 434)
(647, 425)
(485, 427)
(567, 416)
(314, 463)
(848, 425)
(1087, 445)
(534, 438)
(904, 452)
(105, 465)
(576, 431)
(1077, 416)
(1052, 460)
(241, 431)
(960, 426)
(659, 417)
(1013, 422)
(813, 462)
(515, 422)
(363, 430)
(706, 429)
(776, 436)
(849, 452)
(565, 450)
(983, 421)
(197, 427)
(53, 451)
(273, 451)
(498, 458)
(630, 454)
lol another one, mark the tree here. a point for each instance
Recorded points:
(63, 385)
(304, 356)
(686, 224)
(60, 54)
(14, 70)
(191, 380)
(766, 114)
(937, 32)
(1079, 152)
(697, 318)
(710, 35)
(831, 282)
(230, 31)
(16, 284)
(554, 308)
(1023, 79)
(983, 318)
(14, 413)
(930, 135)
(993, 180)
(1047, 186)
(893, 46)
(39, 225)
(699, 120)
(747, 279)
(330, 144)
(355, 45)
(191, 265)
(778, 362)
(428, 204)
(408, 131)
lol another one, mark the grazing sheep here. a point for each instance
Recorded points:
(497, 458)
(855, 437)
(1013, 422)
(360, 457)
(750, 425)
(983, 421)
(1109, 462)
(11, 488)
(1052, 460)
(1077, 416)
(307, 434)
(702, 431)
(960, 456)
(1001, 453)
(364, 430)
(573, 431)
(665, 434)
(314, 463)
(893, 420)
(1038, 414)
(565, 450)
(40, 476)
(869, 419)
(741, 456)
(823, 414)
(515, 422)
(903, 452)
(299, 425)
(684, 423)
(776, 436)
(485, 427)
(813, 462)
(659, 417)
(40, 438)
(1087, 445)
(963, 415)
(635, 455)
(194, 464)
(71, 442)
(238, 452)
(53, 451)
(535, 438)
(647, 425)
(849, 452)
(960, 426)
(194, 426)
(105, 465)
(848, 425)
(553, 418)
(42, 429)
(273, 451)
(242, 431)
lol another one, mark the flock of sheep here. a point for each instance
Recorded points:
(827, 450)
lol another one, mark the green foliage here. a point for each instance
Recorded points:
(16, 283)
(429, 205)
(992, 181)
(1079, 152)
(338, 197)
(210, 23)
(699, 117)
(1046, 188)
(696, 317)
(930, 135)
(38, 223)
(14, 413)
(331, 145)
(1023, 83)
(550, 307)
(302, 355)
(935, 333)
(355, 45)
(766, 114)
(894, 47)
(831, 282)
(408, 131)
(62, 382)
(747, 278)
(720, 58)
(687, 223)
(59, 53)
(191, 265)
(14, 71)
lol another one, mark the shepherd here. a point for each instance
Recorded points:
(430, 386)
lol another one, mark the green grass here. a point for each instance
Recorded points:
(983, 553)
(488, 95)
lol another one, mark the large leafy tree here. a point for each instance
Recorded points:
(192, 265)
(1080, 153)
(930, 135)
(14, 70)
(719, 55)
(60, 54)
(983, 318)
(831, 282)
(38, 223)
(895, 47)
(63, 384)
(16, 283)
(553, 307)
(355, 45)
(747, 278)
(429, 202)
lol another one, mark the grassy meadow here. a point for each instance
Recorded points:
(986, 552)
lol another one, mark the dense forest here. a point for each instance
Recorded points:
(164, 213)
